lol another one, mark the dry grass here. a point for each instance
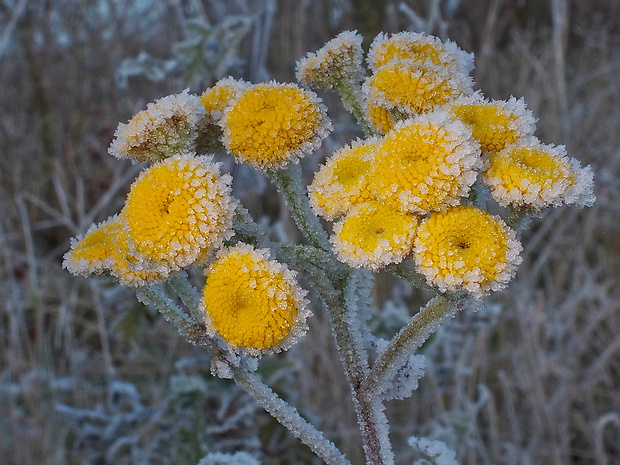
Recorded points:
(534, 379)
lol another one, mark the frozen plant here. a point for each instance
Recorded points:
(409, 198)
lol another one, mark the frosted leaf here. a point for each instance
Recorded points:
(436, 451)
(406, 379)
(238, 458)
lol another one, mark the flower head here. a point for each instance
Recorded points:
(271, 124)
(425, 164)
(379, 118)
(179, 210)
(92, 253)
(373, 235)
(220, 96)
(496, 123)
(254, 303)
(342, 181)
(420, 48)
(413, 88)
(466, 247)
(338, 61)
(168, 126)
(534, 175)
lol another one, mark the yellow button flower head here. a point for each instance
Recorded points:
(271, 124)
(426, 163)
(179, 210)
(379, 118)
(373, 235)
(220, 96)
(420, 48)
(168, 126)
(534, 175)
(342, 181)
(415, 88)
(338, 61)
(131, 268)
(466, 247)
(254, 303)
(495, 123)
(92, 253)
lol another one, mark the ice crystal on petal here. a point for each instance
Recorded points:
(466, 247)
(535, 175)
(253, 302)
(168, 126)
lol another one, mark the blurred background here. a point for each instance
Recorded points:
(88, 375)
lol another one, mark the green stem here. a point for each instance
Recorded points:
(188, 293)
(412, 336)
(289, 183)
(350, 93)
(155, 296)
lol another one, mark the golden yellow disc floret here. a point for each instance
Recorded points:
(252, 302)
(466, 247)
(271, 124)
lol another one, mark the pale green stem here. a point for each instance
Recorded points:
(188, 293)
(412, 336)
(289, 183)
(247, 230)
(289, 417)
(351, 95)
(153, 295)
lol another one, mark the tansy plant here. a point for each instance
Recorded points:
(409, 197)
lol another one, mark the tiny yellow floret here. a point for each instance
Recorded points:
(252, 302)
(179, 210)
(534, 175)
(425, 164)
(220, 96)
(464, 247)
(342, 181)
(373, 235)
(271, 124)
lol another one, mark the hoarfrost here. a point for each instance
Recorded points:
(238, 458)
(436, 451)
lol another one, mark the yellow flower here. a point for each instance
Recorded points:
(534, 175)
(165, 128)
(254, 303)
(179, 210)
(220, 96)
(466, 247)
(271, 124)
(338, 61)
(342, 181)
(420, 48)
(379, 118)
(425, 164)
(494, 124)
(414, 88)
(131, 268)
(92, 254)
(373, 235)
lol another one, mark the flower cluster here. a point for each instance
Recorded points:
(405, 189)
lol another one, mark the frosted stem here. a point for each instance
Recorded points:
(412, 336)
(289, 184)
(188, 293)
(289, 417)
(154, 295)
(350, 93)
(247, 230)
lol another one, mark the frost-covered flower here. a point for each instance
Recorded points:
(415, 88)
(271, 124)
(420, 48)
(92, 253)
(253, 302)
(217, 98)
(379, 118)
(494, 123)
(534, 175)
(466, 247)
(168, 126)
(179, 210)
(373, 235)
(426, 163)
(342, 181)
(337, 62)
